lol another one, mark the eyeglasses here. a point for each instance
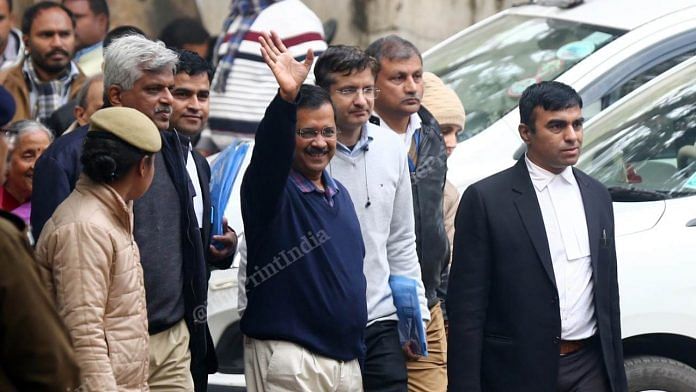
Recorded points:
(311, 133)
(351, 92)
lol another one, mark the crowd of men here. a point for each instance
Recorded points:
(345, 205)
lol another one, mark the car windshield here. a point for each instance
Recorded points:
(645, 149)
(491, 66)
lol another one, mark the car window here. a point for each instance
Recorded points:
(646, 149)
(491, 66)
(643, 77)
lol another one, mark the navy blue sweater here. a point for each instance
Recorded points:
(305, 281)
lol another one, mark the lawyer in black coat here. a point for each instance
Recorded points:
(503, 303)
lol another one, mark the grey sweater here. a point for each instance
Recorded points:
(158, 231)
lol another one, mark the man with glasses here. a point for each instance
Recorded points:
(306, 311)
(372, 165)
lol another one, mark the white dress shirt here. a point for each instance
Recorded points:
(198, 197)
(563, 212)
(414, 123)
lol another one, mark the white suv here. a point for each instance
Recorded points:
(643, 149)
(603, 48)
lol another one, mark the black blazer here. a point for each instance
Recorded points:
(203, 169)
(504, 317)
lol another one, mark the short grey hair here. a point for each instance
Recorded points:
(24, 127)
(126, 58)
(81, 97)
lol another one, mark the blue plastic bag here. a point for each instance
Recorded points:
(223, 174)
(410, 325)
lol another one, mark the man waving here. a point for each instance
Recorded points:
(306, 311)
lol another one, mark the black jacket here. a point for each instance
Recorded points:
(62, 117)
(504, 317)
(54, 178)
(55, 174)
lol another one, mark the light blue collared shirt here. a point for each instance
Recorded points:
(364, 141)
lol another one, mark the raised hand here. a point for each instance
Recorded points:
(289, 72)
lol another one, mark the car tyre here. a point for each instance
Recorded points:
(651, 373)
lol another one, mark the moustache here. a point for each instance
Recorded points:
(416, 97)
(163, 109)
(359, 109)
(58, 51)
(316, 150)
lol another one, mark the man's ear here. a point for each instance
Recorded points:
(114, 95)
(78, 111)
(525, 133)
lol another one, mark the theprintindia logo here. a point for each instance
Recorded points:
(200, 314)
(285, 258)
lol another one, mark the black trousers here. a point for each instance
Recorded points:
(385, 364)
(583, 370)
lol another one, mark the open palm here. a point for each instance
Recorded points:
(289, 72)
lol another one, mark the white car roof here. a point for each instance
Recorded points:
(620, 14)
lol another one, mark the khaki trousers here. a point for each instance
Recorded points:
(280, 366)
(429, 374)
(170, 360)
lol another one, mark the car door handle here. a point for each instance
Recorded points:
(691, 223)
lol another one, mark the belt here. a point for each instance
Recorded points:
(571, 346)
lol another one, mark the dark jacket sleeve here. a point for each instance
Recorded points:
(467, 299)
(36, 352)
(50, 187)
(203, 359)
(55, 175)
(271, 160)
(62, 117)
(428, 182)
